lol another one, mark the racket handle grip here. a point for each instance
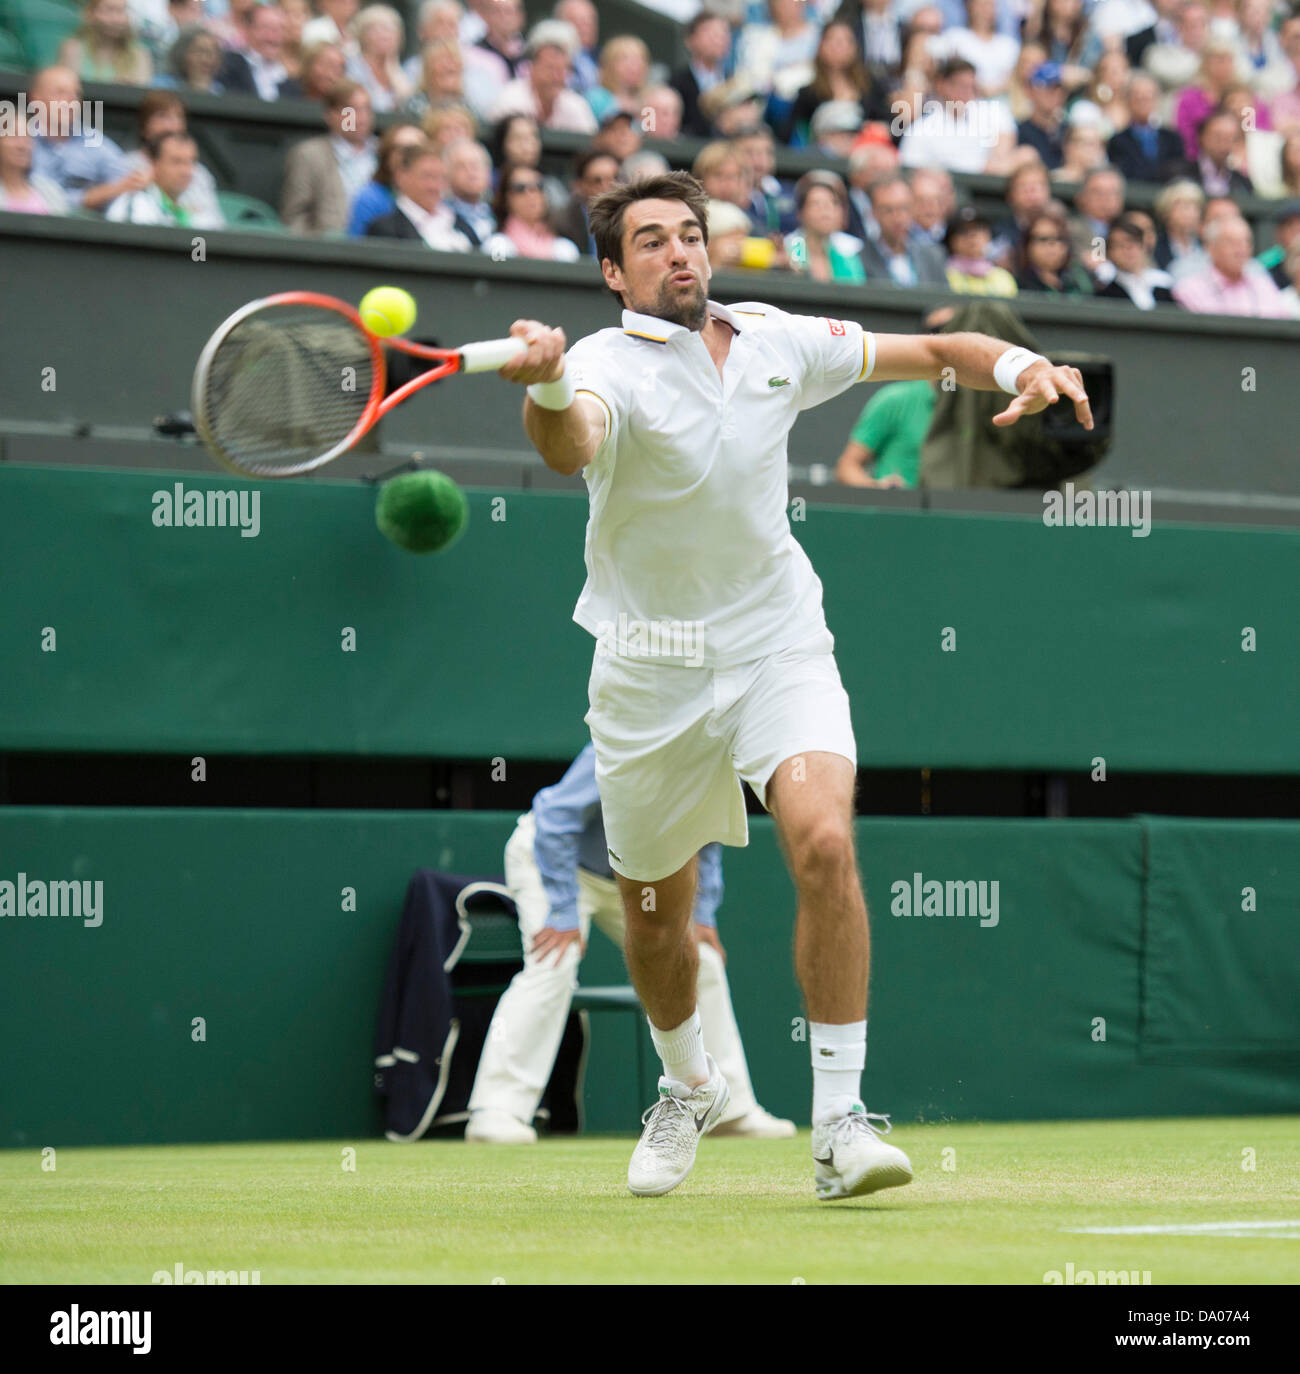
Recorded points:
(490, 354)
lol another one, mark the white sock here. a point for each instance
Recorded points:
(839, 1054)
(682, 1051)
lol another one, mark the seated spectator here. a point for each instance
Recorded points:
(323, 65)
(497, 58)
(992, 54)
(1061, 27)
(891, 252)
(723, 174)
(468, 166)
(820, 248)
(377, 197)
(1103, 102)
(777, 55)
(193, 62)
(1291, 294)
(624, 71)
(1286, 233)
(1145, 151)
(594, 172)
(708, 44)
(441, 79)
(324, 175)
(418, 213)
(1259, 145)
(1218, 72)
(934, 201)
(544, 92)
(867, 162)
(619, 134)
(1179, 208)
(839, 75)
(517, 139)
(1045, 261)
(959, 131)
(172, 159)
(1028, 191)
(259, 70)
(377, 65)
(443, 127)
(643, 165)
(662, 116)
(520, 210)
(21, 193)
(836, 126)
(891, 429)
(1284, 107)
(1174, 60)
(1032, 56)
(91, 171)
(1259, 47)
(161, 112)
(969, 271)
(1042, 130)
(1083, 152)
(582, 17)
(729, 233)
(438, 21)
(1134, 279)
(1099, 202)
(771, 203)
(731, 106)
(1233, 283)
(333, 24)
(1218, 138)
(105, 47)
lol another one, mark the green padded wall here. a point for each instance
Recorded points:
(1070, 644)
(236, 917)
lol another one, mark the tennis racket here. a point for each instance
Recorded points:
(291, 381)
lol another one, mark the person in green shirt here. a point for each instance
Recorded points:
(889, 432)
(820, 248)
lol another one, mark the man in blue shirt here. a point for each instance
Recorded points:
(90, 169)
(558, 873)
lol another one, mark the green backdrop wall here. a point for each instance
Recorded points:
(1122, 976)
(1070, 644)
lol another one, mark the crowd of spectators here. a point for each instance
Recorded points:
(1071, 101)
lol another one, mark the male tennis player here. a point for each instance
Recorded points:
(714, 661)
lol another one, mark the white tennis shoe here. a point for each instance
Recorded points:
(850, 1158)
(757, 1124)
(665, 1154)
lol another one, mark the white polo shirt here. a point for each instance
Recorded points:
(688, 521)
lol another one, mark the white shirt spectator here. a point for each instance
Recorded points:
(200, 199)
(148, 207)
(499, 248)
(961, 143)
(437, 229)
(571, 113)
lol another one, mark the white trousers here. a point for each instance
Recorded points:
(529, 1020)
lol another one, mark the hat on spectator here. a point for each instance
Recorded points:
(874, 134)
(967, 217)
(553, 33)
(1046, 74)
(726, 218)
(837, 117)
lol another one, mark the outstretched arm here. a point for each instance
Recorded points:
(972, 359)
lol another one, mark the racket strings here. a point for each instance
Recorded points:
(286, 387)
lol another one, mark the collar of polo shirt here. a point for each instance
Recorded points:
(655, 330)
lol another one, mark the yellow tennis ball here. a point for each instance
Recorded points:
(387, 310)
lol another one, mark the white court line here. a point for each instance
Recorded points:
(1270, 1230)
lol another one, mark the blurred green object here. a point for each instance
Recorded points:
(11, 50)
(247, 212)
(40, 26)
(421, 512)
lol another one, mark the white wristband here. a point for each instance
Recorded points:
(1011, 364)
(556, 395)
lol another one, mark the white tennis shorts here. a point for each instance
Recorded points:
(673, 743)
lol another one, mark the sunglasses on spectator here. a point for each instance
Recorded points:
(525, 186)
(1048, 238)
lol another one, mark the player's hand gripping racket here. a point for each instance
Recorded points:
(291, 381)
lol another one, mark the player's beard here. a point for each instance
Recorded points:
(680, 305)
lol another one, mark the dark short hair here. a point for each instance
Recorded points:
(154, 103)
(829, 181)
(884, 181)
(703, 17)
(585, 157)
(339, 96)
(1126, 224)
(954, 66)
(408, 157)
(153, 146)
(607, 209)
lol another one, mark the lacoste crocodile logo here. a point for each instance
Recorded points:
(775, 382)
